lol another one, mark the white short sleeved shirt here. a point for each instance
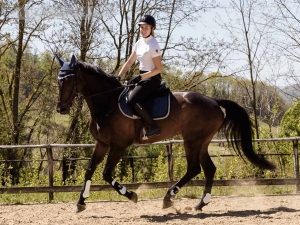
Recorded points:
(146, 49)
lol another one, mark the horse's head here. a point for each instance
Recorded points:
(67, 83)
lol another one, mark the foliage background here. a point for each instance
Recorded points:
(261, 47)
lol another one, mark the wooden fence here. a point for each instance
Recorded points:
(76, 188)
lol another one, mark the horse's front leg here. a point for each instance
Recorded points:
(112, 160)
(99, 153)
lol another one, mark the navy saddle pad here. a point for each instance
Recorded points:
(158, 104)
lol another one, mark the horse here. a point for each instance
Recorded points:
(195, 116)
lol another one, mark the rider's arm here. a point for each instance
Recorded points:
(156, 70)
(128, 64)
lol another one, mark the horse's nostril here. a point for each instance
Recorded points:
(61, 110)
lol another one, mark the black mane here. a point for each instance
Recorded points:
(96, 71)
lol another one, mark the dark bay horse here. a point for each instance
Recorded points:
(196, 117)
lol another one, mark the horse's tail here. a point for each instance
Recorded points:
(238, 129)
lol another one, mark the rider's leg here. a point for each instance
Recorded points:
(154, 129)
(140, 92)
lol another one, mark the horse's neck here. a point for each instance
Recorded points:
(99, 91)
(101, 102)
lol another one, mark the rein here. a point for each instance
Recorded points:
(115, 89)
(75, 82)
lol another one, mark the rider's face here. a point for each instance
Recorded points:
(145, 30)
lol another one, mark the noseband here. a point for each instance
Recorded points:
(69, 73)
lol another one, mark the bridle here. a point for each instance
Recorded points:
(74, 85)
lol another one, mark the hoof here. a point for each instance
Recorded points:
(196, 208)
(80, 208)
(167, 203)
(134, 197)
(199, 206)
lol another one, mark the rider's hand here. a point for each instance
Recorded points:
(135, 79)
(118, 78)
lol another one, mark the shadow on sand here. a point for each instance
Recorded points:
(244, 213)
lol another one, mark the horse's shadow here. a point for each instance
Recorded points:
(242, 213)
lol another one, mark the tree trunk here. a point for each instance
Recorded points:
(73, 135)
(12, 154)
(17, 74)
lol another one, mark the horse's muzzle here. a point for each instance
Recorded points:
(63, 107)
(63, 110)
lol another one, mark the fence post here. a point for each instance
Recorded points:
(132, 168)
(296, 163)
(50, 171)
(170, 161)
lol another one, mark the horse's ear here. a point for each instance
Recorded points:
(61, 62)
(73, 61)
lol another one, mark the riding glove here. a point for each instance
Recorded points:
(135, 79)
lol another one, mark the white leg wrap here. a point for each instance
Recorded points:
(122, 189)
(206, 198)
(173, 191)
(86, 191)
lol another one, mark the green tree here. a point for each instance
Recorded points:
(36, 102)
(290, 123)
(7, 7)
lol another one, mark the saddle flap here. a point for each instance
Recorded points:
(157, 104)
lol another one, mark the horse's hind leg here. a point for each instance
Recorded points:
(113, 158)
(98, 155)
(209, 172)
(193, 169)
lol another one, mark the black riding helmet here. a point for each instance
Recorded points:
(147, 19)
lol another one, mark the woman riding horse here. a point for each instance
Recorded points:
(196, 117)
(147, 51)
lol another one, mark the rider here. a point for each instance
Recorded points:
(147, 52)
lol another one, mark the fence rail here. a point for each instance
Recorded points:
(241, 182)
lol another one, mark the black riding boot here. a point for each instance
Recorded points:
(154, 129)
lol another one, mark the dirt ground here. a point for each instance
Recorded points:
(281, 209)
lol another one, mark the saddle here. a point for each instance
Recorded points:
(158, 103)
